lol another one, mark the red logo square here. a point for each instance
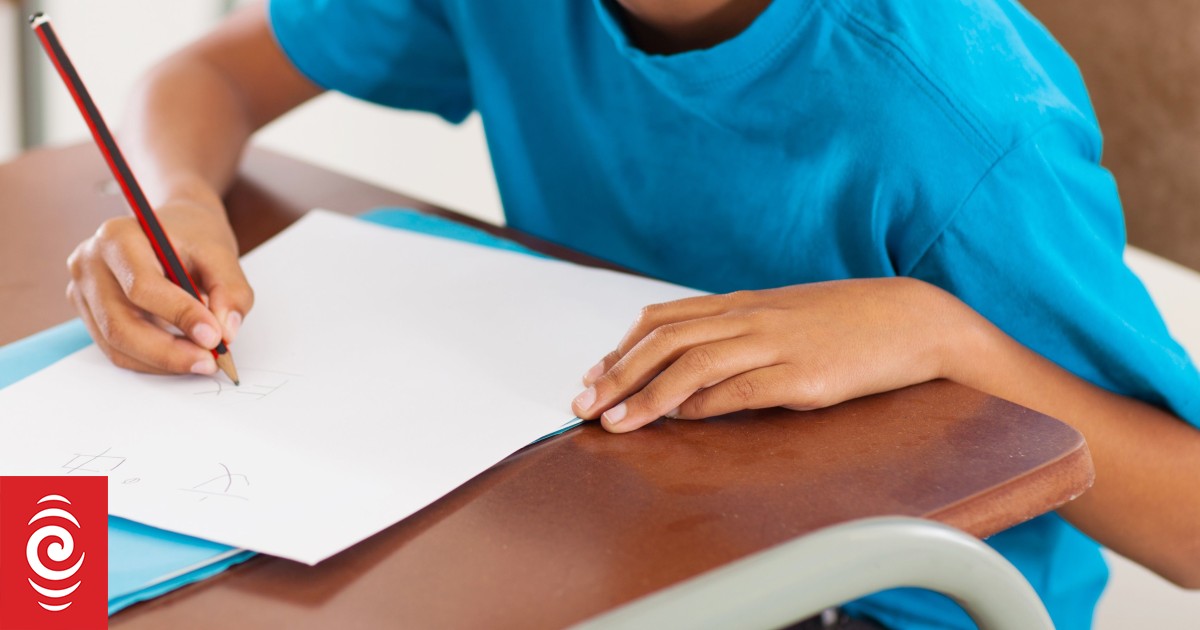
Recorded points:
(53, 553)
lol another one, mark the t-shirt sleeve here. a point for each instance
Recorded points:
(399, 53)
(1037, 248)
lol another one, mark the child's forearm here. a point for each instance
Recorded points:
(183, 136)
(1143, 504)
(192, 114)
(811, 346)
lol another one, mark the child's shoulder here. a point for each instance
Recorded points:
(988, 65)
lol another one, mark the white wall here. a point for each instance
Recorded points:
(418, 154)
(9, 81)
(1137, 598)
(112, 43)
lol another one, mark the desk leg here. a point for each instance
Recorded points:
(800, 578)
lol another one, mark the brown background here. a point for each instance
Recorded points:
(1141, 62)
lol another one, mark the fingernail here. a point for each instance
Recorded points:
(585, 400)
(616, 414)
(206, 335)
(593, 373)
(233, 321)
(206, 367)
(674, 413)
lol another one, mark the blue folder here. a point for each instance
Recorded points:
(145, 562)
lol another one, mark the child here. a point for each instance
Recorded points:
(895, 192)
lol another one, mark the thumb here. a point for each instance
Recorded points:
(230, 297)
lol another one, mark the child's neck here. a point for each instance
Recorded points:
(672, 26)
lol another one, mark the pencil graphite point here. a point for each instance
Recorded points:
(38, 19)
(225, 362)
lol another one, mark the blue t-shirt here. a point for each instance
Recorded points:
(952, 141)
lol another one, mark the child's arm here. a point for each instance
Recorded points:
(812, 346)
(184, 134)
(1035, 305)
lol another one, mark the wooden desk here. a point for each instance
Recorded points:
(582, 523)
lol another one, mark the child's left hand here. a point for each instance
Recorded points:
(800, 347)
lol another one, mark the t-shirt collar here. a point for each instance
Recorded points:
(769, 34)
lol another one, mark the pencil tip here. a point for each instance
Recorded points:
(225, 362)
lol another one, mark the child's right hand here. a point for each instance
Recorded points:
(135, 314)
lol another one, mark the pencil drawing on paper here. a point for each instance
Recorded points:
(100, 462)
(256, 385)
(223, 485)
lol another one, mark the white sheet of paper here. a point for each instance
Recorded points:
(380, 370)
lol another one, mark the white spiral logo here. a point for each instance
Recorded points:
(59, 551)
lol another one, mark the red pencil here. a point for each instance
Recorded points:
(124, 176)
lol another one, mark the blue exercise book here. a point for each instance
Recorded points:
(145, 562)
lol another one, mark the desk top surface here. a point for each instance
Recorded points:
(584, 522)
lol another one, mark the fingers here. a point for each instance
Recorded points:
(176, 360)
(657, 315)
(658, 349)
(230, 297)
(700, 367)
(596, 371)
(771, 386)
(134, 268)
(801, 347)
(118, 288)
